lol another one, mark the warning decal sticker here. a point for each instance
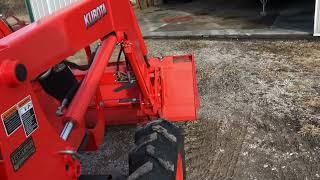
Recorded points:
(27, 116)
(20, 114)
(11, 120)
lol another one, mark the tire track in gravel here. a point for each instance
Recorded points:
(210, 152)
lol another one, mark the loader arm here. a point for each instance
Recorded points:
(51, 108)
(56, 37)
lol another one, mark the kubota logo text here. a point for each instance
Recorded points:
(95, 15)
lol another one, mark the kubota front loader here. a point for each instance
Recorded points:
(52, 109)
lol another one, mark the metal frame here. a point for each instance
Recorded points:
(264, 4)
(29, 9)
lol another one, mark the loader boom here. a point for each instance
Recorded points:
(41, 131)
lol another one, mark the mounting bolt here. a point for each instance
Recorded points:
(101, 104)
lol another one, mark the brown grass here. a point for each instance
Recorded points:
(15, 6)
(310, 133)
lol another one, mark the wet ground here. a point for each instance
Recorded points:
(219, 18)
(202, 15)
(259, 116)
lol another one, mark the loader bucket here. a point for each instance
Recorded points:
(179, 88)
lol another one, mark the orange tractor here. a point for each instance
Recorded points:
(52, 109)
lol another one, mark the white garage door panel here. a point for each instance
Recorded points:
(317, 20)
(42, 8)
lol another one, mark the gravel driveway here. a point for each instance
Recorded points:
(259, 117)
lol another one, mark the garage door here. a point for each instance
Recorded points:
(317, 19)
(41, 8)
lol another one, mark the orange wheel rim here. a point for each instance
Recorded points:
(179, 174)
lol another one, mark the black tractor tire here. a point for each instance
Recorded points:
(158, 153)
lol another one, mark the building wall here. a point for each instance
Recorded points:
(142, 4)
(41, 8)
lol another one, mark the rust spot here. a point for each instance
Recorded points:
(178, 19)
(180, 59)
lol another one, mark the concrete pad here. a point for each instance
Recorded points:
(297, 16)
(217, 18)
(229, 33)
